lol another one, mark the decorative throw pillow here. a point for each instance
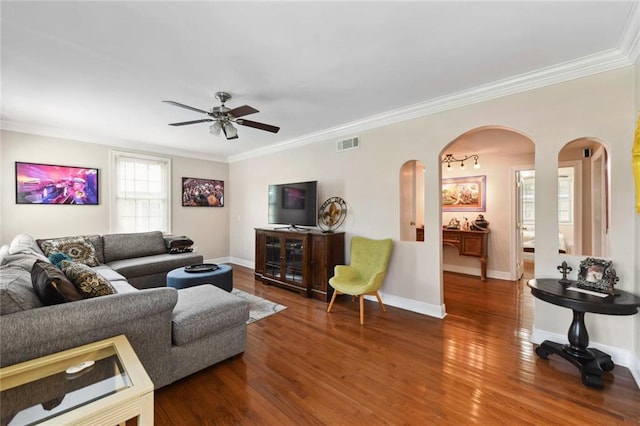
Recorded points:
(57, 257)
(88, 282)
(51, 284)
(79, 249)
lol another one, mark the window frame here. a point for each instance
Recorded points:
(116, 156)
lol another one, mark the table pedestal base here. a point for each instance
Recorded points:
(591, 362)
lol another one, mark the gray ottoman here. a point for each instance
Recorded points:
(206, 310)
(222, 277)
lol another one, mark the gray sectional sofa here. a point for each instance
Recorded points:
(174, 332)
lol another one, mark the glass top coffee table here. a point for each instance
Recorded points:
(101, 383)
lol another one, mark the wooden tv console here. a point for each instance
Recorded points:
(301, 261)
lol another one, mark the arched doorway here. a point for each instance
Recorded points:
(500, 153)
(583, 198)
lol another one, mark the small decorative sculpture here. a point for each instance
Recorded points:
(331, 214)
(465, 225)
(480, 224)
(453, 224)
(565, 269)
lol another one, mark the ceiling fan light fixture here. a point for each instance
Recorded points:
(229, 131)
(215, 129)
(223, 117)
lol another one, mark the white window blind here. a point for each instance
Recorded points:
(142, 193)
(565, 199)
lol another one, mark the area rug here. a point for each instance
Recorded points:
(258, 307)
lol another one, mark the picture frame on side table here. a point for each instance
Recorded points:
(464, 194)
(197, 192)
(597, 275)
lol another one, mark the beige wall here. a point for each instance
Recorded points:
(208, 227)
(598, 106)
(602, 106)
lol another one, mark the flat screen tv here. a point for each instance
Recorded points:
(51, 184)
(293, 204)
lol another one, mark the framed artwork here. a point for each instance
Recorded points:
(597, 275)
(202, 192)
(464, 194)
(52, 184)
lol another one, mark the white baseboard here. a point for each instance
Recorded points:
(437, 311)
(241, 262)
(635, 370)
(498, 275)
(622, 357)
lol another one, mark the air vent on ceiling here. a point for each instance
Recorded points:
(351, 143)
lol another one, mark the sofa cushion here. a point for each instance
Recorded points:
(96, 242)
(127, 246)
(204, 310)
(88, 282)
(16, 291)
(109, 273)
(149, 265)
(51, 284)
(77, 248)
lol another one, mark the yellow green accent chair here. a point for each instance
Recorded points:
(369, 259)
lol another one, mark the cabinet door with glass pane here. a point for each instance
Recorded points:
(285, 257)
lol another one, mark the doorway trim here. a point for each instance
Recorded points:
(513, 225)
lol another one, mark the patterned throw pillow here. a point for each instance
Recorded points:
(88, 282)
(57, 257)
(51, 284)
(79, 249)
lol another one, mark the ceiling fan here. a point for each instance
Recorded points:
(223, 117)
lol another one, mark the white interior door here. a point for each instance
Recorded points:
(518, 230)
(408, 201)
(600, 243)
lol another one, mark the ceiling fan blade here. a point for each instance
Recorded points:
(184, 123)
(242, 111)
(186, 106)
(256, 125)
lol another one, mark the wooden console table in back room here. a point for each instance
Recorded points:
(469, 243)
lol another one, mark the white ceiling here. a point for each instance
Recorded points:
(98, 71)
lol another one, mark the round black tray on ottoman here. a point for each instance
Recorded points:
(221, 277)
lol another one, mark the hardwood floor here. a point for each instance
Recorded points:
(306, 367)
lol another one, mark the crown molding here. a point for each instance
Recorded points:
(627, 53)
(583, 67)
(630, 40)
(56, 132)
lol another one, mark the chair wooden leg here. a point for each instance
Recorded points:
(333, 299)
(362, 309)
(380, 302)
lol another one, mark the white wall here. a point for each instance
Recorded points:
(367, 178)
(208, 227)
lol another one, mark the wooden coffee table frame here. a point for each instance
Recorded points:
(116, 408)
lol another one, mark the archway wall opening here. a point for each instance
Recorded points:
(488, 190)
